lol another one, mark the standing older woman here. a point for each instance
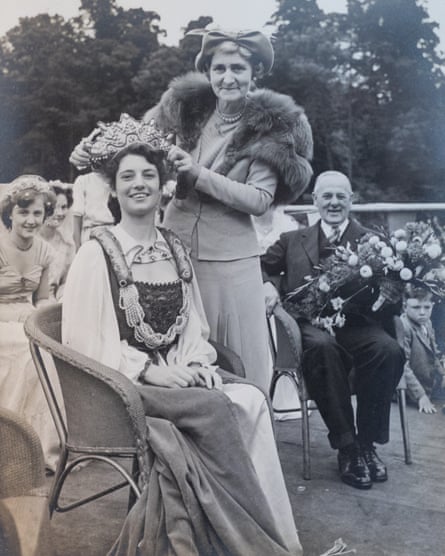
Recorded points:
(58, 232)
(25, 260)
(237, 151)
(215, 485)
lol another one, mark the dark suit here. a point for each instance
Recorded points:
(327, 361)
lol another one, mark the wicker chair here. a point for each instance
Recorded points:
(287, 352)
(24, 517)
(103, 417)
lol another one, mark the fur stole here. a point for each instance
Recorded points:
(273, 129)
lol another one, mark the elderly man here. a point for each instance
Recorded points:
(362, 343)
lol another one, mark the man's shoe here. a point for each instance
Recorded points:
(353, 470)
(377, 468)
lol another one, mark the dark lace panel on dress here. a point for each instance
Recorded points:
(161, 304)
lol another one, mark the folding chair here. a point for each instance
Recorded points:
(287, 353)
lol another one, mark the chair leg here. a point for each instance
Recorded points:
(305, 440)
(401, 399)
(135, 474)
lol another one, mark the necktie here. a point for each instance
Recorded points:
(335, 237)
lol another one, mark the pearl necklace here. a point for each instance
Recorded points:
(230, 119)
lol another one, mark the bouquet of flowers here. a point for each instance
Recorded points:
(413, 254)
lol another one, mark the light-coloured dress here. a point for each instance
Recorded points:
(222, 496)
(20, 388)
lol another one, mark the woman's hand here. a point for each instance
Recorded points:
(172, 376)
(208, 378)
(183, 162)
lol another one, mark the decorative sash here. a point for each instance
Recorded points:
(128, 292)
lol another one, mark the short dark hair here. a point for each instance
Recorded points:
(109, 170)
(420, 293)
(67, 191)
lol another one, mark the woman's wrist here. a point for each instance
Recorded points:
(142, 374)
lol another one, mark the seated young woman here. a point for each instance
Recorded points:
(131, 302)
(25, 260)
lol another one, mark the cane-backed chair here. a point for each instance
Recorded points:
(287, 351)
(102, 416)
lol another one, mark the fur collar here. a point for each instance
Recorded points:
(273, 129)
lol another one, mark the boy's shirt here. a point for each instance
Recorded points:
(423, 366)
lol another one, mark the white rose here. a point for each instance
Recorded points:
(401, 246)
(399, 234)
(324, 286)
(373, 240)
(353, 260)
(406, 274)
(386, 251)
(366, 271)
(433, 251)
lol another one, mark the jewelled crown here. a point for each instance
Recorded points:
(110, 138)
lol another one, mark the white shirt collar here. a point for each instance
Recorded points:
(328, 230)
(132, 247)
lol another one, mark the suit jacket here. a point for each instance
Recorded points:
(296, 253)
(422, 367)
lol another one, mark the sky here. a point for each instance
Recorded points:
(175, 14)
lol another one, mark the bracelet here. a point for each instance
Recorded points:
(141, 375)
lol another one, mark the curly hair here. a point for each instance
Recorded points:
(60, 188)
(110, 168)
(22, 192)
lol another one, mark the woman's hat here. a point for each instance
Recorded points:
(255, 41)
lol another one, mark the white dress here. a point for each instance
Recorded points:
(20, 388)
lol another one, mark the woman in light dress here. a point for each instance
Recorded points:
(25, 260)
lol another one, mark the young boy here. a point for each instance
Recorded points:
(424, 373)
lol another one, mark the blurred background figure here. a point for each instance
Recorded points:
(57, 230)
(270, 225)
(91, 196)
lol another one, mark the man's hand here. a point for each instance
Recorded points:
(425, 405)
(271, 297)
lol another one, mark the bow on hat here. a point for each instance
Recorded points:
(255, 41)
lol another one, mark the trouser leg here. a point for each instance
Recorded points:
(326, 368)
(378, 363)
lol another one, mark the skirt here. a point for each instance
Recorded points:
(20, 388)
(233, 299)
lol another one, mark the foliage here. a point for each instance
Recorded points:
(371, 82)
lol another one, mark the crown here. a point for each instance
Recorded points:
(109, 139)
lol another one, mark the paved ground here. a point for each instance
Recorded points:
(403, 517)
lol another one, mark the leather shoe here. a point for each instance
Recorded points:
(377, 468)
(353, 470)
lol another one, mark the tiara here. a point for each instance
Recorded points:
(26, 187)
(109, 139)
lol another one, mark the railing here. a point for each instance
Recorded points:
(393, 215)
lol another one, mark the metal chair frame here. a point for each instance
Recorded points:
(287, 353)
